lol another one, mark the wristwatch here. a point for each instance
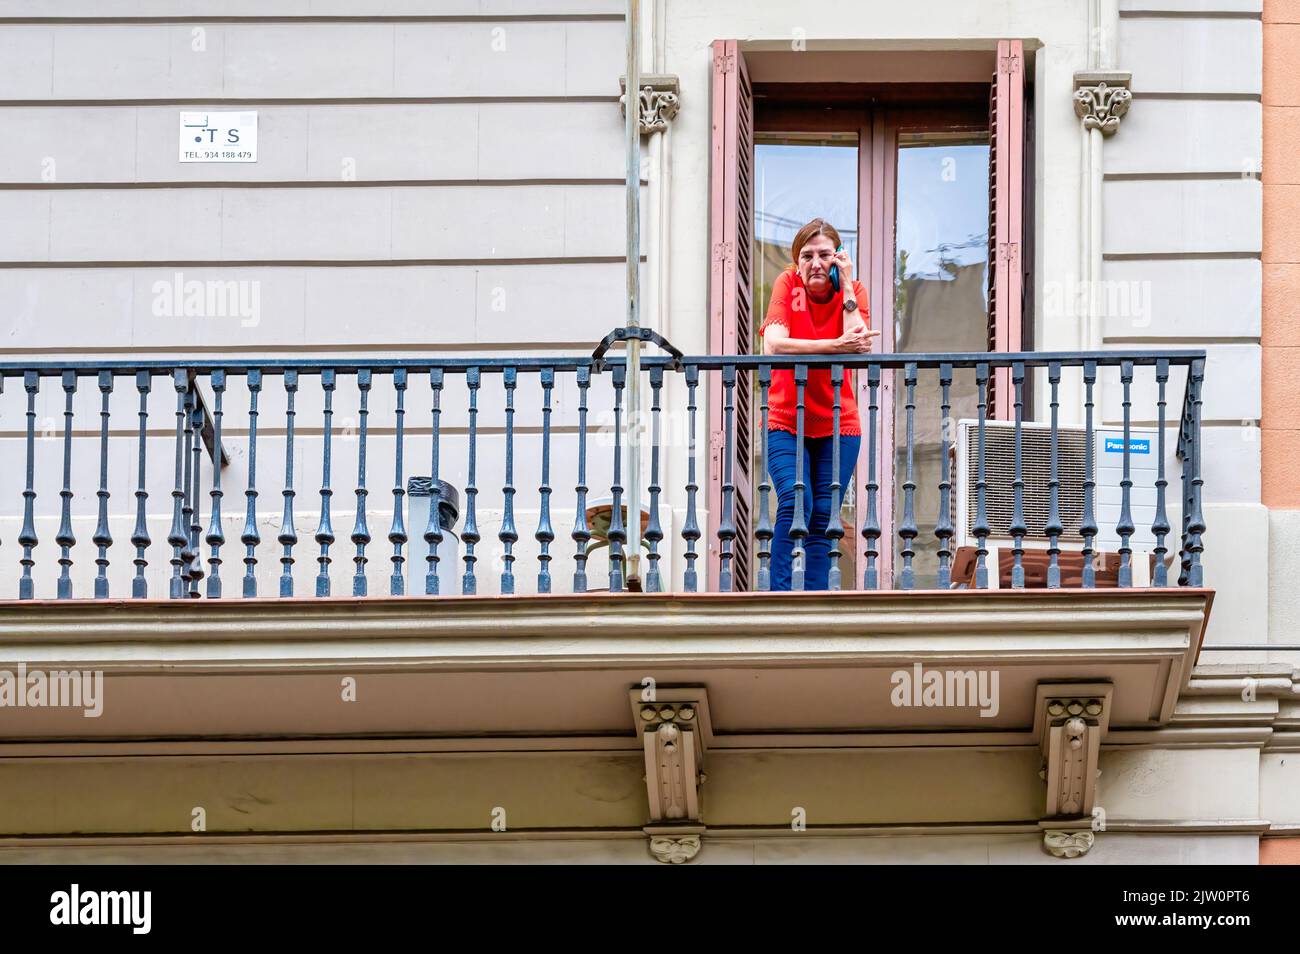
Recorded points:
(851, 305)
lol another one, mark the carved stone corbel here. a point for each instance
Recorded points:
(673, 846)
(1069, 723)
(657, 100)
(1067, 844)
(1101, 98)
(673, 726)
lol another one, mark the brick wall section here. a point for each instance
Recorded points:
(1281, 255)
(1279, 851)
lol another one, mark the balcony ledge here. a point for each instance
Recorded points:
(776, 666)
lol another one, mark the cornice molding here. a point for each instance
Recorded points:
(974, 621)
(723, 832)
(719, 834)
(1174, 736)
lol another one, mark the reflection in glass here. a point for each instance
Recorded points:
(940, 304)
(799, 177)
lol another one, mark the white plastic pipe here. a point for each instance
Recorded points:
(632, 130)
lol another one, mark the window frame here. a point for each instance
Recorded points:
(878, 112)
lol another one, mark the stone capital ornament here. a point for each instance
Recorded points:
(657, 100)
(1101, 99)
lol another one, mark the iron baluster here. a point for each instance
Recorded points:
(250, 537)
(469, 583)
(1053, 527)
(1018, 528)
(397, 530)
(690, 525)
(325, 526)
(907, 530)
(360, 529)
(871, 526)
(1088, 526)
(288, 536)
(508, 535)
(654, 530)
(943, 529)
(103, 538)
(140, 534)
(763, 531)
(216, 536)
(1160, 525)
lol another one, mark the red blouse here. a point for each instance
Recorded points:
(793, 307)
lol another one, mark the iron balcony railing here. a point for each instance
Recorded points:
(155, 419)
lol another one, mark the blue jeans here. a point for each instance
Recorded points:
(816, 502)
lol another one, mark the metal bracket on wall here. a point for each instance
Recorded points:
(627, 334)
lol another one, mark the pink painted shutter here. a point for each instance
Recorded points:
(731, 319)
(1006, 214)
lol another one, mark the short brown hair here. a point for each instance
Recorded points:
(815, 227)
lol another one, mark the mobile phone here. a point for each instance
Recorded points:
(834, 273)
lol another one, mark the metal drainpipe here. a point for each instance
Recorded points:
(663, 182)
(632, 130)
(1106, 57)
(1085, 198)
(1103, 29)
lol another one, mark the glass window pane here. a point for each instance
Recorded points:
(799, 177)
(940, 304)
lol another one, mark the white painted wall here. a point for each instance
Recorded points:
(1182, 205)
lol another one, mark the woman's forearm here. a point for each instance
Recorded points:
(799, 346)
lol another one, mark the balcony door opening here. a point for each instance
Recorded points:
(915, 177)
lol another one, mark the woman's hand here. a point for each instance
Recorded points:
(854, 341)
(845, 264)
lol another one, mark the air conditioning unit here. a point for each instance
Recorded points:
(1035, 451)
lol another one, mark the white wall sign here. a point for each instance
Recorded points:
(218, 137)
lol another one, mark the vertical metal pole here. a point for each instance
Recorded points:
(632, 130)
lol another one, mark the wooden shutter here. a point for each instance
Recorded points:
(731, 318)
(1006, 215)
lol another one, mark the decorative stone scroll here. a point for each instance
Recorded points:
(1101, 99)
(1067, 844)
(657, 100)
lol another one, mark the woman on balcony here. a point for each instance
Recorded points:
(807, 315)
